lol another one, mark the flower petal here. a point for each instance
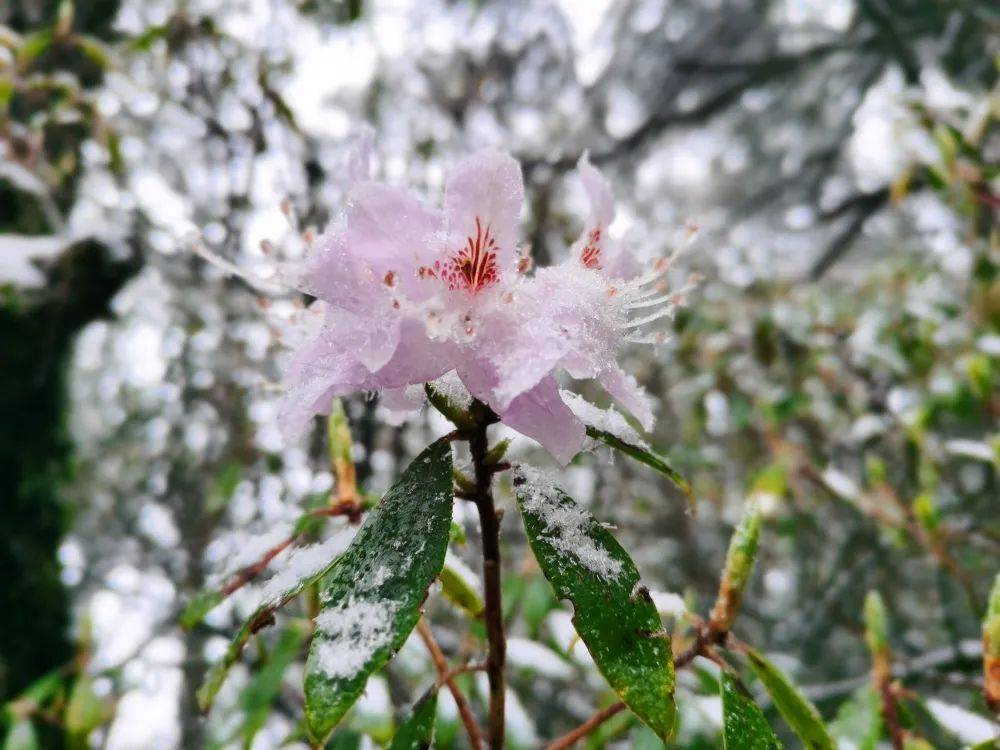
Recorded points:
(417, 359)
(542, 415)
(602, 202)
(319, 370)
(402, 403)
(595, 248)
(625, 389)
(487, 186)
(392, 234)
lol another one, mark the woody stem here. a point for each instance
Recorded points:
(489, 521)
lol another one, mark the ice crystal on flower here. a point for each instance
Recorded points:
(407, 293)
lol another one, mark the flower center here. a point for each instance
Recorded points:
(591, 254)
(474, 266)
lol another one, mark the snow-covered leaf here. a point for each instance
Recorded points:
(371, 600)
(417, 731)
(303, 567)
(645, 455)
(801, 715)
(743, 724)
(614, 615)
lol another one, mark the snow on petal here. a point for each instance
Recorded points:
(359, 161)
(602, 202)
(409, 293)
(542, 415)
(625, 389)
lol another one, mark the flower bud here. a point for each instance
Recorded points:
(739, 565)
(991, 649)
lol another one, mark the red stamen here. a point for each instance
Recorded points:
(591, 254)
(474, 266)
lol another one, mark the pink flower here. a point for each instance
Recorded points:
(407, 293)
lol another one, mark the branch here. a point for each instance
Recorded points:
(448, 678)
(493, 612)
(571, 738)
(703, 645)
(861, 208)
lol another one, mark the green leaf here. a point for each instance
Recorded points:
(859, 720)
(417, 732)
(21, 737)
(258, 696)
(223, 487)
(797, 710)
(614, 614)
(645, 456)
(84, 712)
(263, 615)
(371, 599)
(346, 740)
(743, 724)
(196, 609)
(458, 589)
(876, 627)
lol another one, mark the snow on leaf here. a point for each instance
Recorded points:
(614, 615)
(565, 525)
(371, 600)
(301, 568)
(610, 421)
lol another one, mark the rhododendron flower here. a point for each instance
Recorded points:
(407, 293)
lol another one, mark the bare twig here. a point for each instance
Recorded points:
(351, 508)
(599, 717)
(703, 645)
(448, 678)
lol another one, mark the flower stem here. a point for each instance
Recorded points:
(490, 522)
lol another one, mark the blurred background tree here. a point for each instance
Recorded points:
(840, 362)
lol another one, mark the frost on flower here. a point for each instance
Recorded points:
(566, 524)
(407, 293)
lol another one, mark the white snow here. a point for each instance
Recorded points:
(606, 420)
(304, 562)
(840, 484)
(526, 654)
(449, 386)
(668, 603)
(965, 725)
(351, 633)
(976, 449)
(565, 525)
(18, 254)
